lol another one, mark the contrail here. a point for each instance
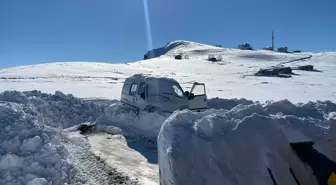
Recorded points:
(148, 26)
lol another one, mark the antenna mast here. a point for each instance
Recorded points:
(272, 40)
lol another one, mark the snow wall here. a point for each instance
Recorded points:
(31, 147)
(120, 120)
(245, 144)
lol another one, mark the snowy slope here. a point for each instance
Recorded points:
(227, 79)
(83, 160)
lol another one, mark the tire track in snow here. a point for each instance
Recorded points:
(132, 158)
(90, 169)
(296, 60)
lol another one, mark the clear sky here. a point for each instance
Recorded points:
(39, 31)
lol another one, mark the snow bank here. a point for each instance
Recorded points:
(121, 120)
(30, 152)
(219, 103)
(31, 149)
(57, 110)
(238, 146)
(118, 119)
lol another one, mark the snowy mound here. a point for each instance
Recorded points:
(32, 150)
(121, 120)
(219, 103)
(178, 47)
(58, 110)
(244, 145)
(198, 50)
(118, 119)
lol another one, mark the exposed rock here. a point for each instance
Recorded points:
(306, 68)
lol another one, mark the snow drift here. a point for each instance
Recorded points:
(57, 110)
(31, 150)
(245, 144)
(120, 120)
(219, 103)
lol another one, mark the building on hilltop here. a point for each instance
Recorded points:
(245, 46)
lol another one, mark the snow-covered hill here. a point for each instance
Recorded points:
(230, 78)
(40, 143)
(198, 50)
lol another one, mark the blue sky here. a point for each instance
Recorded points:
(39, 31)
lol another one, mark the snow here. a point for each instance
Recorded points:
(123, 154)
(32, 149)
(40, 143)
(91, 169)
(179, 47)
(219, 103)
(31, 144)
(120, 120)
(38, 181)
(228, 79)
(10, 161)
(237, 146)
(30, 152)
(58, 110)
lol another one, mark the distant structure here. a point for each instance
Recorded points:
(268, 48)
(283, 49)
(245, 46)
(297, 51)
(273, 40)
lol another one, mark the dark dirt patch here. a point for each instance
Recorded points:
(86, 129)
